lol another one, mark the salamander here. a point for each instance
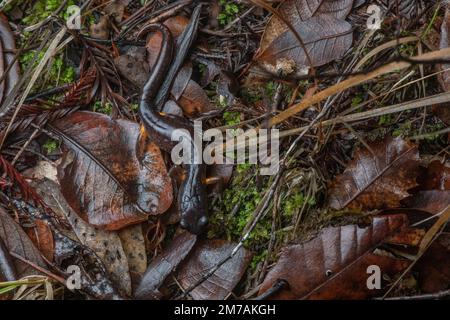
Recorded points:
(192, 196)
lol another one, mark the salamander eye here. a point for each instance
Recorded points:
(203, 221)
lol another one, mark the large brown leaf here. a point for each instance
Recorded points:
(207, 255)
(101, 177)
(334, 264)
(326, 38)
(379, 180)
(17, 241)
(295, 11)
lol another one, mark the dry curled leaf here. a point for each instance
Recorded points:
(206, 256)
(377, 180)
(101, 177)
(334, 264)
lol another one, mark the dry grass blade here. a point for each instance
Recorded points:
(355, 81)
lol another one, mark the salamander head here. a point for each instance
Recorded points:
(194, 220)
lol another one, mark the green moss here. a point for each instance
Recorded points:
(385, 119)
(102, 108)
(43, 9)
(59, 73)
(229, 11)
(231, 118)
(256, 260)
(243, 195)
(51, 146)
(356, 101)
(251, 95)
(295, 202)
(404, 130)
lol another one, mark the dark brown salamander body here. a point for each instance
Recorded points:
(192, 197)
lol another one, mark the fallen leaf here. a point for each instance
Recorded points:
(42, 237)
(133, 244)
(133, 66)
(334, 264)
(194, 100)
(17, 241)
(181, 81)
(101, 177)
(171, 107)
(436, 177)
(206, 256)
(320, 25)
(163, 265)
(105, 244)
(7, 269)
(434, 266)
(116, 9)
(100, 30)
(431, 201)
(379, 180)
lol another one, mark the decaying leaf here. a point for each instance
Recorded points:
(321, 27)
(133, 66)
(334, 264)
(194, 100)
(437, 177)
(163, 265)
(101, 177)
(206, 255)
(431, 201)
(434, 194)
(42, 237)
(7, 269)
(106, 244)
(133, 244)
(181, 81)
(434, 266)
(377, 180)
(17, 241)
(100, 30)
